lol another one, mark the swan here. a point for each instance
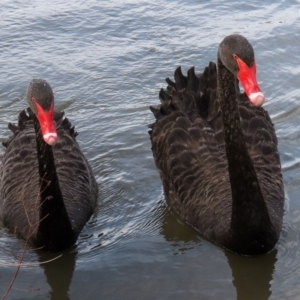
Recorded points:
(216, 152)
(47, 188)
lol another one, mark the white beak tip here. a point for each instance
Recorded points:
(257, 98)
(50, 138)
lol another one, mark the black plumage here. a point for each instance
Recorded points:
(217, 155)
(47, 193)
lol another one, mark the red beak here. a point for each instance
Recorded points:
(47, 124)
(247, 77)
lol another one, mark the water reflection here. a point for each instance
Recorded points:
(181, 236)
(252, 275)
(58, 273)
(110, 70)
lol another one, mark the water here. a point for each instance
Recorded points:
(106, 61)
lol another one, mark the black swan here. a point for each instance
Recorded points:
(216, 152)
(47, 188)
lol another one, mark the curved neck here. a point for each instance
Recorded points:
(54, 228)
(249, 210)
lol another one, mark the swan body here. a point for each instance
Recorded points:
(216, 152)
(47, 187)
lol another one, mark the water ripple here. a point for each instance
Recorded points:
(107, 62)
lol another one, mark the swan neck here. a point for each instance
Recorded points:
(54, 220)
(247, 198)
(47, 171)
(228, 92)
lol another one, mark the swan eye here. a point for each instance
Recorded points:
(33, 100)
(235, 56)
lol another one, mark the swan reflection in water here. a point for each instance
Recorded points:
(251, 276)
(58, 272)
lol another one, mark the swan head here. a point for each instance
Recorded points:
(237, 55)
(41, 101)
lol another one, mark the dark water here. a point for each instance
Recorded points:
(106, 61)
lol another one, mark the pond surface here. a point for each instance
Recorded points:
(106, 61)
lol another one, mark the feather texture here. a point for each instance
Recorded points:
(20, 195)
(189, 150)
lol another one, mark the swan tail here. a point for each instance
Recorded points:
(23, 120)
(191, 94)
(180, 80)
(66, 125)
